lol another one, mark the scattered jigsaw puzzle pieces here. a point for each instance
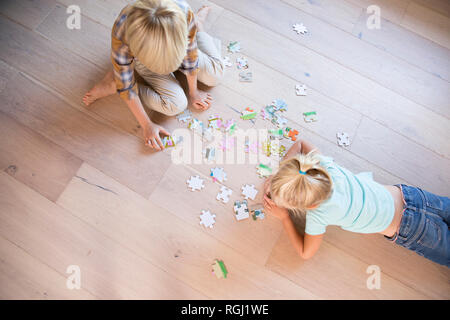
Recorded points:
(207, 219)
(195, 183)
(224, 194)
(241, 210)
(215, 122)
(209, 153)
(276, 133)
(300, 89)
(249, 191)
(300, 28)
(343, 139)
(258, 213)
(219, 269)
(251, 147)
(234, 46)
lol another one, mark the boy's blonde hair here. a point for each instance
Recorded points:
(157, 34)
(296, 191)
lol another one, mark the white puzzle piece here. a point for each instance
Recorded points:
(207, 219)
(245, 76)
(249, 191)
(300, 89)
(343, 139)
(242, 63)
(195, 183)
(227, 62)
(185, 116)
(300, 28)
(224, 194)
(218, 174)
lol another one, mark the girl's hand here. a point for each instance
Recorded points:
(266, 186)
(152, 138)
(200, 100)
(273, 209)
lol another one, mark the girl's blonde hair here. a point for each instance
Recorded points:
(157, 34)
(301, 183)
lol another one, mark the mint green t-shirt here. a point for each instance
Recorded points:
(357, 203)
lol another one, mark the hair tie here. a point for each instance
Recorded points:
(302, 172)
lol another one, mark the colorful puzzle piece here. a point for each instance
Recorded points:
(290, 133)
(218, 174)
(224, 194)
(241, 210)
(207, 219)
(263, 170)
(195, 183)
(219, 269)
(248, 114)
(241, 63)
(234, 46)
(184, 116)
(310, 116)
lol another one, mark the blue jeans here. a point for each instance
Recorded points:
(424, 227)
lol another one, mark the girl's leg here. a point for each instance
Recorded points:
(104, 88)
(210, 64)
(423, 228)
(162, 93)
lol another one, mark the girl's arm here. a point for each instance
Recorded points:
(307, 245)
(301, 146)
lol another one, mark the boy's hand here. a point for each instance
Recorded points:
(200, 100)
(273, 209)
(151, 136)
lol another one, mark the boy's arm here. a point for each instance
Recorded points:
(301, 146)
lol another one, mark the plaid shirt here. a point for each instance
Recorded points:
(123, 60)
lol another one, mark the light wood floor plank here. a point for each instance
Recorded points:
(178, 245)
(341, 14)
(117, 153)
(391, 10)
(25, 277)
(108, 270)
(34, 160)
(28, 13)
(340, 47)
(441, 6)
(346, 274)
(428, 23)
(413, 48)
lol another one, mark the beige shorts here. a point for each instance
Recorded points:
(163, 93)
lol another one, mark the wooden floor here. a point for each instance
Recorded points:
(77, 187)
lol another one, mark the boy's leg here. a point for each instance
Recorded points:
(103, 88)
(162, 93)
(423, 230)
(210, 64)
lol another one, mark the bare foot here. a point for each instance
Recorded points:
(200, 18)
(104, 88)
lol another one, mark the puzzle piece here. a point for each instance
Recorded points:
(229, 126)
(184, 116)
(276, 133)
(218, 174)
(219, 269)
(251, 147)
(195, 183)
(300, 89)
(258, 214)
(279, 121)
(207, 219)
(300, 28)
(170, 141)
(263, 170)
(310, 116)
(215, 122)
(227, 62)
(343, 139)
(227, 143)
(224, 194)
(196, 126)
(242, 63)
(290, 133)
(270, 148)
(279, 105)
(234, 46)
(249, 191)
(241, 210)
(245, 76)
(209, 153)
(248, 114)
